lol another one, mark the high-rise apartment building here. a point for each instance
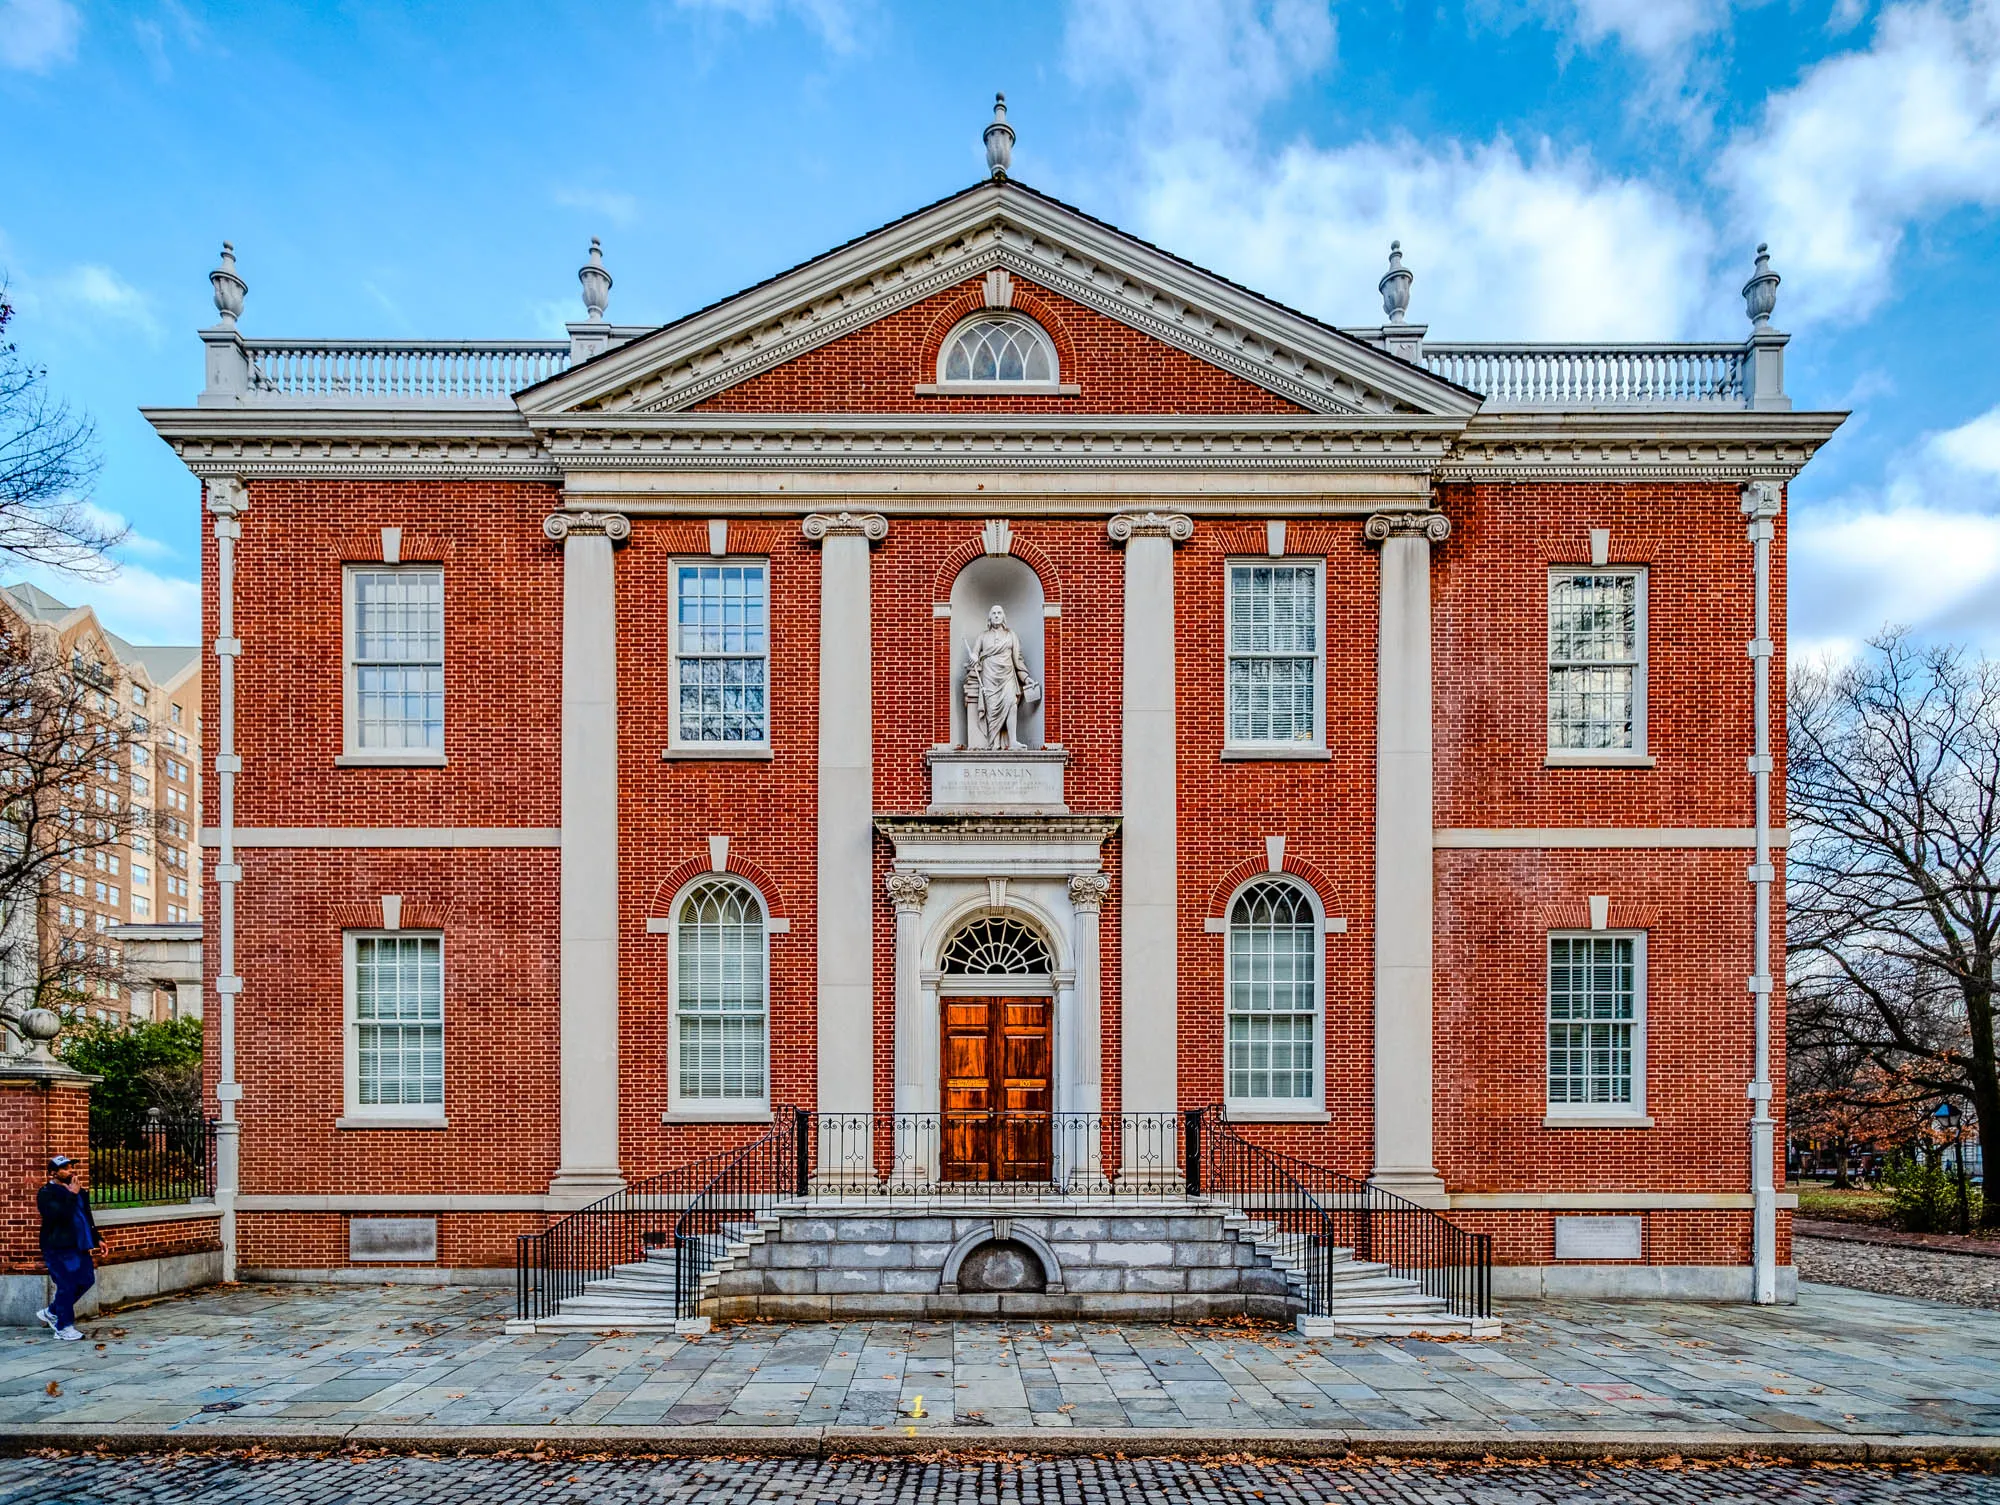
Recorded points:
(148, 790)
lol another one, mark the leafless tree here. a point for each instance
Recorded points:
(65, 806)
(48, 459)
(1893, 908)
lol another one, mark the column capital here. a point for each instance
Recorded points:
(1089, 890)
(1762, 499)
(1432, 527)
(228, 497)
(1176, 526)
(818, 526)
(908, 891)
(558, 526)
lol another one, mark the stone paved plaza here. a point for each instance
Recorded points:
(334, 1357)
(951, 1481)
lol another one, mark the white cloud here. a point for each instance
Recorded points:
(619, 208)
(35, 35)
(1868, 143)
(1504, 244)
(1653, 29)
(1203, 67)
(1922, 552)
(836, 21)
(89, 297)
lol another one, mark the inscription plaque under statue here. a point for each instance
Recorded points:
(1012, 781)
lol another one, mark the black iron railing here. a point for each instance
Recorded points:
(1011, 1154)
(1316, 1215)
(144, 1159)
(770, 1169)
(587, 1244)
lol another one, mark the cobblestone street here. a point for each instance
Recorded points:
(1959, 1279)
(481, 1481)
(341, 1360)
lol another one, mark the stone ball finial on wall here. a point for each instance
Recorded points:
(37, 1029)
(999, 139)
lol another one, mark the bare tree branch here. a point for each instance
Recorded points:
(1893, 910)
(48, 461)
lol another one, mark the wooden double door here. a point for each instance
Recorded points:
(997, 1094)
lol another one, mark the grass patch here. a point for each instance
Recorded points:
(1853, 1206)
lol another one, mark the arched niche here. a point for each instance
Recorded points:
(1004, 581)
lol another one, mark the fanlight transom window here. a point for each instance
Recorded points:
(997, 947)
(998, 351)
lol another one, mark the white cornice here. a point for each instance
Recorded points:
(1638, 447)
(1000, 225)
(962, 442)
(918, 453)
(401, 443)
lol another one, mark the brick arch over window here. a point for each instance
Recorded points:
(695, 867)
(1028, 301)
(366, 914)
(944, 653)
(1307, 873)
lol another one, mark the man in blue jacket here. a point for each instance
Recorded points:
(68, 1236)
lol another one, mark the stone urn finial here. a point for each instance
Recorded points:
(596, 283)
(229, 288)
(1395, 285)
(37, 1028)
(999, 140)
(1760, 293)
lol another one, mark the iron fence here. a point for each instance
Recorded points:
(154, 1157)
(1318, 1215)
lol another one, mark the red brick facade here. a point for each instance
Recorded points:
(498, 907)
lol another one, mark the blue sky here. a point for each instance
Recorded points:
(1554, 168)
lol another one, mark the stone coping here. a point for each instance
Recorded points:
(161, 1212)
(1442, 1445)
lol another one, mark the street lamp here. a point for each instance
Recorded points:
(1953, 1123)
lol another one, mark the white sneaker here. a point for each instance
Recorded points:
(69, 1334)
(45, 1315)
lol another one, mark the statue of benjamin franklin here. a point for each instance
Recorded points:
(997, 685)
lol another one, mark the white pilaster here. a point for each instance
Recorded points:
(1404, 1162)
(588, 928)
(1149, 987)
(846, 888)
(228, 500)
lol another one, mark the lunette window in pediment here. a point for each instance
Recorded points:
(997, 350)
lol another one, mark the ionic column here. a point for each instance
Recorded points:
(1403, 867)
(846, 892)
(1085, 1094)
(588, 928)
(908, 891)
(1150, 975)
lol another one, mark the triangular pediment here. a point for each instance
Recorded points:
(1068, 255)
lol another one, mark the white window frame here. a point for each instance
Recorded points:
(1586, 756)
(352, 753)
(1233, 746)
(1634, 1112)
(677, 746)
(713, 1109)
(1053, 386)
(376, 1115)
(1313, 1105)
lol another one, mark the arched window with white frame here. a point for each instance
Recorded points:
(721, 999)
(1274, 998)
(998, 350)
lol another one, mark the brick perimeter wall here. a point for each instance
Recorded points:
(135, 1241)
